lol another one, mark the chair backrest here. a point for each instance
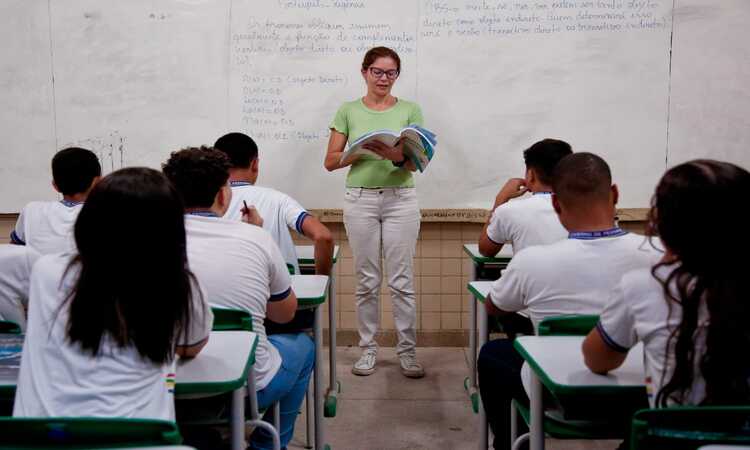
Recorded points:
(232, 320)
(85, 433)
(690, 427)
(567, 325)
(9, 327)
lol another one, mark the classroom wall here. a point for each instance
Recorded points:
(442, 272)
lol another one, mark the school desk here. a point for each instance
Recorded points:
(479, 291)
(479, 263)
(556, 362)
(311, 292)
(306, 261)
(224, 365)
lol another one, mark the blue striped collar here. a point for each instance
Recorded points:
(240, 183)
(591, 235)
(70, 203)
(202, 213)
(542, 193)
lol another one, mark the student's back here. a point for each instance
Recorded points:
(691, 311)
(279, 211)
(241, 268)
(105, 324)
(15, 270)
(572, 276)
(47, 226)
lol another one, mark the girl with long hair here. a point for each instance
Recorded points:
(106, 322)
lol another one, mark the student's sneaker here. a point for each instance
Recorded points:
(410, 367)
(366, 364)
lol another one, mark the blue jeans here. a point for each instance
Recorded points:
(287, 387)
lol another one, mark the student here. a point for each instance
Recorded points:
(15, 271)
(242, 268)
(691, 310)
(279, 211)
(572, 276)
(105, 323)
(47, 227)
(532, 220)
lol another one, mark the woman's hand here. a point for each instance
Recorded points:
(395, 154)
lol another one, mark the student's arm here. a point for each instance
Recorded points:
(282, 305)
(495, 233)
(191, 351)
(282, 310)
(324, 244)
(509, 291)
(606, 346)
(598, 356)
(17, 235)
(195, 336)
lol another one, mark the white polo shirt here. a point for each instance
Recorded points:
(638, 312)
(279, 211)
(58, 378)
(240, 267)
(526, 221)
(47, 227)
(15, 272)
(572, 276)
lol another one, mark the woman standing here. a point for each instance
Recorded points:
(381, 212)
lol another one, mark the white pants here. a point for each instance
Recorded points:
(384, 221)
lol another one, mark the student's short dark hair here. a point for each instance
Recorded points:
(544, 155)
(198, 173)
(74, 169)
(240, 148)
(582, 176)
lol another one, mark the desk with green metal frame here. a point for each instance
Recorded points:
(311, 291)
(306, 261)
(556, 362)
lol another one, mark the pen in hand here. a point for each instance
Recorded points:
(250, 215)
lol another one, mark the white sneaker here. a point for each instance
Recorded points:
(410, 367)
(366, 364)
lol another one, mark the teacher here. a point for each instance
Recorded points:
(381, 211)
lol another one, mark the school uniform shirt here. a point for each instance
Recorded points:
(15, 272)
(572, 276)
(59, 378)
(525, 222)
(47, 227)
(240, 267)
(638, 312)
(279, 211)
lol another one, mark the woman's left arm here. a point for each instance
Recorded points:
(395, 154)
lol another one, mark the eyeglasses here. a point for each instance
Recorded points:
(377, 73)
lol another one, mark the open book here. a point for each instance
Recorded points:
(419, 145)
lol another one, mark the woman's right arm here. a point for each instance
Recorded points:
(336, 144)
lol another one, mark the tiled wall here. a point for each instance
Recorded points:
(441, 274)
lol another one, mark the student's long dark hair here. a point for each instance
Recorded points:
(133, 284)
(699, 213)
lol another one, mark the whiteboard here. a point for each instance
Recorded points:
(635, 81)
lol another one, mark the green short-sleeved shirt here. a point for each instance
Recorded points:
(354, 119)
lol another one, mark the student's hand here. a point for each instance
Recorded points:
(515, 187)
(395, 154)
(252, 216)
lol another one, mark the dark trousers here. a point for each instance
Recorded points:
(499, 371)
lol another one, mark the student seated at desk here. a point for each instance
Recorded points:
(279, 211)
(15, 271)
(531, 220)
(106, 322)
(47, 227)
(572, 276)
(241, 267)
(691, 310)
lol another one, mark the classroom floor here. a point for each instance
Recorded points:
(387, 411)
